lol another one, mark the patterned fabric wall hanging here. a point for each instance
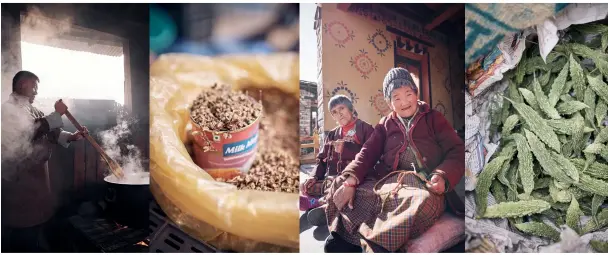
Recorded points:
(342, 89)
(339, 32)
(380, 42)
(363, 64)
(441, 108)
(378, 102)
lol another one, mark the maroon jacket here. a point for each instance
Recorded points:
(328, 159)
(438, 147)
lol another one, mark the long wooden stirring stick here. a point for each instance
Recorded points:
(114, 167)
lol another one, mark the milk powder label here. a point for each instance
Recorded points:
(234, 149)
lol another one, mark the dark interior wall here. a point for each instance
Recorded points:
(76, 170)
(457, 82)
(129, 21)
(11, 50)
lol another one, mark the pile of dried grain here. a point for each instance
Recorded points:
(276, 166)
(221, 109)
(280, 124)
(271, 171)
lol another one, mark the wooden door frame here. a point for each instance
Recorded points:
(423, 63)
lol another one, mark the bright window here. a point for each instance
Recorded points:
(74, 74)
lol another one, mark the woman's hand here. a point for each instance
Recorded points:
(338, 146)
(60, 107)
(79, 135)
(345, 195)
(307, 185)
(437, 185)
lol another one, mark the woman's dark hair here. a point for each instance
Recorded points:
(341, 99)
(21, 75)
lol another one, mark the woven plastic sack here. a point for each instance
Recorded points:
(215, 212)
(488, 23)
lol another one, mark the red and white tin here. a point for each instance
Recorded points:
(226, 154)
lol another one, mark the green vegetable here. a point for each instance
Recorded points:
(539, 229)
(578, 79)
(552, 161)
(483, 183)
(558, 86)
(573, 215)
(543, 101)
(547, 162)
(571, 107)
(516, 209)
(597, 245)
(592, 225)
(524, 155)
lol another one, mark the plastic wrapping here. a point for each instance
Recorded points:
(216, 212)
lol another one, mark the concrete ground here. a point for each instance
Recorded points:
(312, 238)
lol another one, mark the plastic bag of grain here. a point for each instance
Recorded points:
(216, 212)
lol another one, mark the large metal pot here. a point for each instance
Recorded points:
(128, 199)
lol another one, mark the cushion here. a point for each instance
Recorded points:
(445, 233)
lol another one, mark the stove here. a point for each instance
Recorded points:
(167, 237)
(104, 235)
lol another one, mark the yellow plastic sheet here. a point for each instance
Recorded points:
(216, 212)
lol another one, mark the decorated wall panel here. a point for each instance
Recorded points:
(359, 48)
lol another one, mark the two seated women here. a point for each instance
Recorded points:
(382, 186)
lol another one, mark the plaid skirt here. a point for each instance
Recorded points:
(387, 217)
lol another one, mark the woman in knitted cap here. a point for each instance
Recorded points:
(340, 147)
(397, 186)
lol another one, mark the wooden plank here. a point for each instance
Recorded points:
(458, 17)
(423, 77)
(404, 10)
(433, 6)
(79, 166)
(90, 165)
(317, 17)
(443, 16)
(102, 169)
(344, 6)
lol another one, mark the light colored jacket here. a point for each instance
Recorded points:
(28, 137)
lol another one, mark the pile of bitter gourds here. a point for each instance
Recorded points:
(552, 163)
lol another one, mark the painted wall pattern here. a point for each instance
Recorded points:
(342, 89)
(359, 69)
(380, 42)
(441, 108)
(363, 63)
(380, 105)
(339, 33)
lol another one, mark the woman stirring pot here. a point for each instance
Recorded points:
(339, 149)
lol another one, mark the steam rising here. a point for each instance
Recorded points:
(116, 144)
(17, 132)
(33, 25)
(18, 126)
